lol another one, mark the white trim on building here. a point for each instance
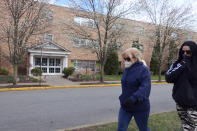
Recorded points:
(54, 58)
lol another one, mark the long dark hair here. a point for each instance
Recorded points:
(193, 48)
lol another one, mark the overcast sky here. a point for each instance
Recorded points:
(178, 2)
(63, 2)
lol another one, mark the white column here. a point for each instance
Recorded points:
(31, 61)
(65, 62)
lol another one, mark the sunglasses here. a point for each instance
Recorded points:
(127, 59)
(187, 52)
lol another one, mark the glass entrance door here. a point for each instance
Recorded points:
(54, 66)
(43, 66)
(50, 66)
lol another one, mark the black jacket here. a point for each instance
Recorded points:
(185, 88)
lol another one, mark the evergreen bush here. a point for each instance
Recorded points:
(154, 63)
(68, 71)
(36, 72)
(112, 65)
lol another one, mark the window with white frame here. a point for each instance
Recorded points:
(48, 14)
(48, 37)
(117, 26)
(118, 45)
(49, 65)
(189, 37)
(139, 30)
(85, 43)
(38, 61)
(44, 64)
(174, 35)
(84, 64)
(84, 22)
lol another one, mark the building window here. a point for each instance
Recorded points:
(44, 70)
(57, 70)
(137, 45)
(51, 62)
(84, 64)
(48, 14)
(44, 61)
(85, 43)
(49, 65)
(37, 61)
(51, 70)
(57, 62)
(48, 37)
(117, 26)
(189, 38)
(174, 36)
(84, 22)
(118, 45)
(139, 30)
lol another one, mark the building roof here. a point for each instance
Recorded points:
(49, 45)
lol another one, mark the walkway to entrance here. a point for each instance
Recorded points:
(58, 80)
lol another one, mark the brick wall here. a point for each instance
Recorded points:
(62, 17)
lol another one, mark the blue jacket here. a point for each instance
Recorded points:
(136, 86)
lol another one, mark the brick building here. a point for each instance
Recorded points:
(56, 49)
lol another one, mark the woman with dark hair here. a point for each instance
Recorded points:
(183, 73)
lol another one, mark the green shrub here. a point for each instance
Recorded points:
(86, 77)
(68, 71)
(34, 79)
(4, 71)
(36, 71)
(7, 79)
(23, 78)
(112, 64)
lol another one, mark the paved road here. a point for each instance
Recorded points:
(48, 110)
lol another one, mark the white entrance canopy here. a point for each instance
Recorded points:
(50, 57)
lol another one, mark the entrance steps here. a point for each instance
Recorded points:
(58, 80)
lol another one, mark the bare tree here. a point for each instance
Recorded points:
(108, 26)
(169, 21)
(21, 20)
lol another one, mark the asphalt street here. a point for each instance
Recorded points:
(49, 110)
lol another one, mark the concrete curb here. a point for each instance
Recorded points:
(58, 87)
(54, 87)
(102, 123)
(85, 126)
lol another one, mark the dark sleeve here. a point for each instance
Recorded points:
(143, 91)
(174, 71)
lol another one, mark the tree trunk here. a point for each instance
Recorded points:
(102, 74)
(159, 79)
(159, 74)
(15, 74)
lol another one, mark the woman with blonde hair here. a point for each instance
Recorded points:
(136, 86)
(135, 52)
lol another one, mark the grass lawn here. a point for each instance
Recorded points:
(155, 77)
(112, 77)
(167, 121)
(118, 77)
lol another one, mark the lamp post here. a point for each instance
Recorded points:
(40, 65)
